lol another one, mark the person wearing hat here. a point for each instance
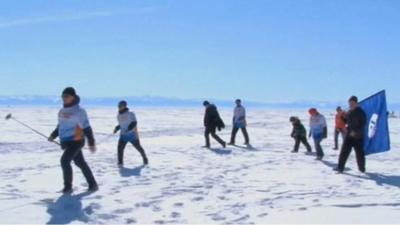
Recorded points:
(73, 127)
(340, 126)
(212, 121)
(356, 121)
(318, 131)
(239, 122)
(127, 125)
(299, 134)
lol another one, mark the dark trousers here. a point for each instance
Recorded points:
(348, 145)
(245, 134)
(318, 147)
(121, 148)
(303, 140)
(73, 152)
(212, 131)
(337, 133)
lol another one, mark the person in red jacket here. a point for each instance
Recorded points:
(340, 126)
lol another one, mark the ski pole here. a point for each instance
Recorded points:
(9, 116)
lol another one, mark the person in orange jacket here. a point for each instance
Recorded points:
(340, 126)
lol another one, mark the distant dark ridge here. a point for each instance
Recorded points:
(154, 101)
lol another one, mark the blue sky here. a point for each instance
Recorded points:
(263, 50)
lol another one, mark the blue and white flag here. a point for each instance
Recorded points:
(377, 137)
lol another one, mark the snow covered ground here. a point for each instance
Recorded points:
(187, 184)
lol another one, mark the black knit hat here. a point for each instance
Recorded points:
(206, 103)
(122, 104)
(69, 91)
(353, 99)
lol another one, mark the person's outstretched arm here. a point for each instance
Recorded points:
(54, 134)
(89, 135)
(117, 128)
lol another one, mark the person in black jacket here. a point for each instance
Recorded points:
(212, 121)
(73, 127)
(356, 120)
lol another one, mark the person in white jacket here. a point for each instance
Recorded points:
(318, 131)
(73, 129)
(239, 122)
(127, 125)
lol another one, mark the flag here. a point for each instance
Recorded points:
(377, 137)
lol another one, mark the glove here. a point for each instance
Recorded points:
(116, 129)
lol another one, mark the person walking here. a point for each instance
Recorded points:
(299, 134)
(239, 122)
(356, 121)
(73, 127)
(340, 126)
(127, 125)
(318, 131)
(212, 122)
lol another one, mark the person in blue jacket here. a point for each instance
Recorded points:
(73, 127)
(127, 125)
